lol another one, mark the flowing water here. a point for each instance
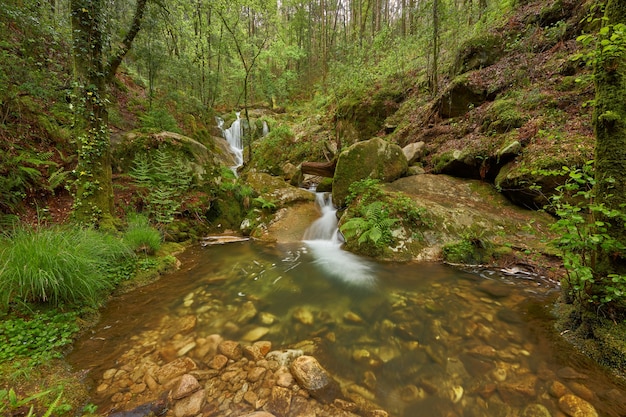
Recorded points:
(233, 136)
(417, 339)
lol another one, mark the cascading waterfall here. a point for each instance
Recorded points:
(233, 136)
(324, 240)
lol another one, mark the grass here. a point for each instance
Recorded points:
(140, 236)
(57, 265)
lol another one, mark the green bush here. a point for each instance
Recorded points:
(375, 225)
(57, 265)
(159, 119)
(140, 236)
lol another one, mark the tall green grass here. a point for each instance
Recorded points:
(57, 265)
(140, 236)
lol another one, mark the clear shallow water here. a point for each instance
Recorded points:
(419, 339)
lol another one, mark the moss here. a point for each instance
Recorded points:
(463, 252)
(478, 52)
(503, 115)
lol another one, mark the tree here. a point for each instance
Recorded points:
(93, 202)
(609, 122)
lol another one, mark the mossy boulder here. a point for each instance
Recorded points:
(479, 52)
(201, 156)
(374, 158)
(461, 95)
(275, 189)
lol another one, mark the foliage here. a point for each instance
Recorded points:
(57, 265)
(13, 403)
(582, 228)
(375, 213)
(140, 236)
(20, 175)
(164, 180)
(159, 119)
(39, 338)
(374, 225)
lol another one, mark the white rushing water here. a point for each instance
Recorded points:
(233, 136)
(324, 241)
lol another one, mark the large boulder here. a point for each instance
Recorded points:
(374, 158)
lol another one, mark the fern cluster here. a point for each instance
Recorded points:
(164, 180)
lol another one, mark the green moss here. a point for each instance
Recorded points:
(503, 116)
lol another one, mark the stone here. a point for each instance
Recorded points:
(284, 378)
(283, 357)
(314, 379)
(570, 373)
(575, 406)
(581, 390)
(109, 373)
(186, 324)
(218, 362)
(263, 346)
(174, 369)
(558, 389)
(279, 402)
(518, 391)
(256, 373)
(351, 317)
(185, 387)
(535, 410)
(230, 349)
(259, 414)
(252, 353)
(374, 158)
(247, 312)
(303, 315)
(413, 151)
(255, 334)
(190, 406)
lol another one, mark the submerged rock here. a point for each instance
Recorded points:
(313, 378)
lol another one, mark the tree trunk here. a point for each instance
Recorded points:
(609, 122)
(93, 202)
(94, 190)
(323, 169)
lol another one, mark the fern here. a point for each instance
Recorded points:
(375, 225)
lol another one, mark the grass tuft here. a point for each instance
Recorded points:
(57, 265)
(141, 237)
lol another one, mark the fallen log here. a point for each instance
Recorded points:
(323, 169)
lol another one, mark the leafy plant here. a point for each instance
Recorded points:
(164, 180)
(14, 403)
(375, 225)
(265, 204)
(159, 119)
(57, 265)
(583, 232)
(38, 338)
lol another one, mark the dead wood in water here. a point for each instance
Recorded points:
(323, 169)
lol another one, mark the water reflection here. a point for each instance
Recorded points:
(418, 339)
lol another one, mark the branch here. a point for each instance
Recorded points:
(128, 40)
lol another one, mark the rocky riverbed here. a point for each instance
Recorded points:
(252, 334)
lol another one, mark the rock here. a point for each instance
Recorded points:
(255, 334)
(284, 357)
(494, 289)
(259, 414)
(186, 324)
(303, 315)
(264, 346)
(174, 369)
(246, 313)
(230, 349)
(279, 402)
(519, 391)
(218, 362)
(575, 406)
(351, 317)
(581, 390)
(557, 389)
(252, 353)
(190, 406)
(536, 410)
(186, 386)
(413, 151)
(314, 379)
(374, 158)
(154, 408)
(256, 373)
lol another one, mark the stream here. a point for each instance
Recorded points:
(416, 339)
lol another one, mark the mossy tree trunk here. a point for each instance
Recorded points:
(93, 202)
(609, 122)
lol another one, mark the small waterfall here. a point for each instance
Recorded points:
(266, 129)
(324, 240)
(233, 136)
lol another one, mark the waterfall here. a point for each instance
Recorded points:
(324, 241)
(266, 129)
(233, 136)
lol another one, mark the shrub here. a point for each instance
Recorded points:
(140, 236)
(57, 265)
(375, 225)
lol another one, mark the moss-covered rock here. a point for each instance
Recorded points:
(479, 52)
(374, 158)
